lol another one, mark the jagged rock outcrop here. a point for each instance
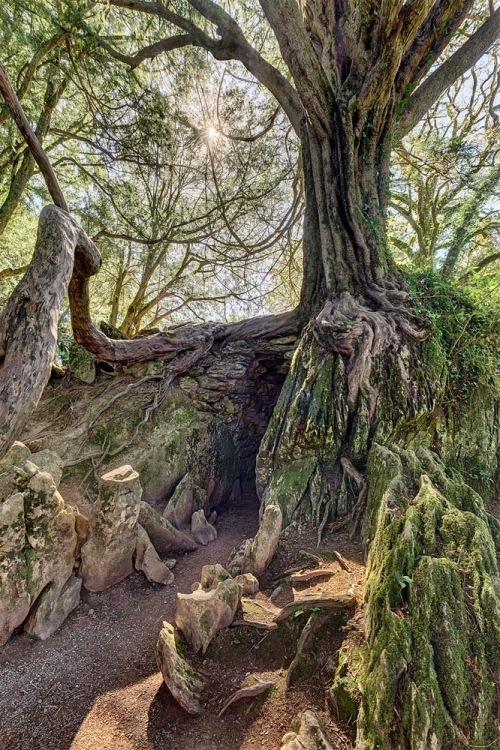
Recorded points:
(201, 614)
(187, 499)
(310, 735)
(147, 560)
(254, 556)
(107, 553)
(203, 532)
(38, 541)
(183, 681)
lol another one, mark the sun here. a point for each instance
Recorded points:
(212, 133)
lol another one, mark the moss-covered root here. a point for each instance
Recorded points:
(433, 609)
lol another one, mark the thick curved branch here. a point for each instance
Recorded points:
(298, 52)
(149, 52)
(232, 45)
(459, 63)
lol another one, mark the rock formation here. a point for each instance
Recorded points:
(183, 681)
(37, 547)
(201, 614)
(254, 556)
(203, 532)
(147, 560)
(186, 500)
(309, 737)
(165, 537)
(107, 553)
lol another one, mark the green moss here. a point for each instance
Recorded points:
(433, 643)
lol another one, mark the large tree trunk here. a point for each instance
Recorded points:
(360, 437)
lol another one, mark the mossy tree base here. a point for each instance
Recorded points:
(367, 431)
(433, 608)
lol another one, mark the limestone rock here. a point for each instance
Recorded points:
(53, 607)
(212, 575)
(202, 531)
(248, 584)
(309, 737)
(212, 518)
(81, 363)
(253, 556)
(37, 547)
(189, 442)
(12, 525)
(201, 614)
(17, 455)
(147, 560)
(164, 536)
(183, 681)
(50, 462)
(107, 553)
(186, 500)
(238, 557)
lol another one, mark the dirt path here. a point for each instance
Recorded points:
(95, 685)
(91, 686)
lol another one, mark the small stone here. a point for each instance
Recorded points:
(202, 531)
(183, 681)
(50, 462)
(248, 584)
(309, 737)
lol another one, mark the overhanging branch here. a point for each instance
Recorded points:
(459, 63)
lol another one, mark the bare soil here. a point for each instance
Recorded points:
(95, 685)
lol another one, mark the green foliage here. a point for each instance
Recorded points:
(467, 322)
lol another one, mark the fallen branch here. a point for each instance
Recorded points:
(328, 601)
(342, 561)
(254, 624)
(310, 575)
(316, 558)
(247, 692)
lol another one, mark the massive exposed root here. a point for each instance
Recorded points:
(354, 376)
